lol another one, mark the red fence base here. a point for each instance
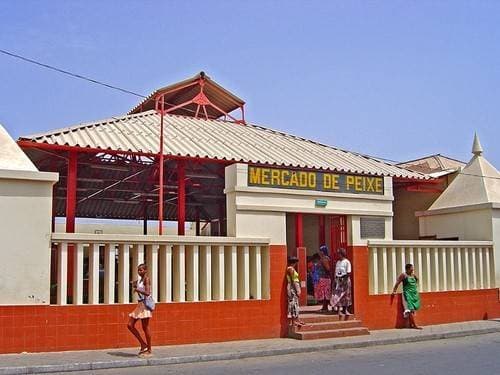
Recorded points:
(383, 311)
(59, 328)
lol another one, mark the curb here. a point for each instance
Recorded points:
(87, 366)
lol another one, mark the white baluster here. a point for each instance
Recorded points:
(165, 273)
(374, 270)
(452, 268)
(420, 266)
(412, 257)
(481, 267)
(467, 269)
(255, 273)
(402, 256)
(62, 273)
(266, 272)
(192, 271)
(205, 273)
(488, 267)
(109, 273)
(428, 269)
(459, 268)
(78, 274)
(436, 268)
(474, 269)
(152, 260)
(218, 273)
(443, 269)
(385, 277)
(94, 274)
(137, 258)
(243, 254)
(123, 273)
(230, 270)
(179, 273)
(395, 272)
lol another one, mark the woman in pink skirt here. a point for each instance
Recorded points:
(143, 289)
(322, 288)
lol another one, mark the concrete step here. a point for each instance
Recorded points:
(320, 318)
(333, 333)
(326, 326)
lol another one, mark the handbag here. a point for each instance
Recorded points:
(149, 303)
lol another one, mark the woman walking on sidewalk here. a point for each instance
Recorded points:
(293, 292)
(410, 296)
(341, 296)
(143, 311)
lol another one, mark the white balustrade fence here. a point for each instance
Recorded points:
(440, 265)
(181, 268)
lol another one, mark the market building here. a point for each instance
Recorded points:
(251, 195)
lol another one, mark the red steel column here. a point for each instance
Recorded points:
(299, 233)
(71, 192)
(222, 216)
(322, 234)
(302, 256)
(71, 212)
(160, 173)
(302, 270)
(197, 220)
(181, 197)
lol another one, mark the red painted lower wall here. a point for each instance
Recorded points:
(58, 328)
(383, 311)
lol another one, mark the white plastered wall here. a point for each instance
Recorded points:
(25, 230)
(496, 242)
(261, 212)
(472, 225)
(467, 226)
(354, 231)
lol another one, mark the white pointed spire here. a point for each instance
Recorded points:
(477, 149)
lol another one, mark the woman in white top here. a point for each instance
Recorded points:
(341, 296)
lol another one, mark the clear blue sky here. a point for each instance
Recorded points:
(397, 79)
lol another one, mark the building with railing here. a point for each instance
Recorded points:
(252, 195)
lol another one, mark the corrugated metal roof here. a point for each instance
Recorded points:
(433, 163)
(181, 92)
(216, 139)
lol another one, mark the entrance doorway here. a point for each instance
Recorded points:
(316, 230)
(305, 234)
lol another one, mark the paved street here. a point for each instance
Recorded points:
(474, 355)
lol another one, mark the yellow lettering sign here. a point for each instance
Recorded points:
(358, 185)
(275, 177)
(265, 176)
(285, 177)
(327, 181)
(349, 182)
(307, 180)
(335, 182)
(254, 175)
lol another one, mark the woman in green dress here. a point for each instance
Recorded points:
(411, 298)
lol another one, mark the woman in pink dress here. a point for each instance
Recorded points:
(143, 289)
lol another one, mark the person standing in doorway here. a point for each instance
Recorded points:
(323, 285)
(143, 289)
(293, 292)
(410, 296)
(341, 297)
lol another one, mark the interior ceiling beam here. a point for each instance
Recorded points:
(111, 186)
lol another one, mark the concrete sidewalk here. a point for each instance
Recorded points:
(118, 358)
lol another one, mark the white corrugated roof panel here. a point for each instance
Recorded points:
(216, 139)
